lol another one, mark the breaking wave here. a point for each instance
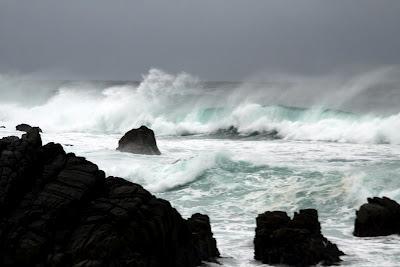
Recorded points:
(183, 105)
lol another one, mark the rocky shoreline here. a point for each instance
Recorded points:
(58, 209)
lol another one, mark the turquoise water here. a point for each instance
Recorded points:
(234, 180)
(234, 150)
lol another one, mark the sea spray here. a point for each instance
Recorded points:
(180, 105)
(233, 180)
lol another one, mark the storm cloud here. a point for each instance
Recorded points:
(214, 39)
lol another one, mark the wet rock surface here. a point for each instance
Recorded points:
(297, 242)
(378, 217)
(139, 141)
(58, 209)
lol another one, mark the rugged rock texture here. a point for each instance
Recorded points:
(139, 141)
(26, 127)
(378, 217)
(57, 209)
(298, 242)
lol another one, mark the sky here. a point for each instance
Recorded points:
(215, 40)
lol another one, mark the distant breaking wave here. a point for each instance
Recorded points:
(181, 105)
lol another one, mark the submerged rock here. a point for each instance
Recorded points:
(25, 127)
(139, 141)
(297, 241)
(378, 217)
(233, 132)
(58, 209)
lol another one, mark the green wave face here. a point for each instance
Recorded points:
(180, 105)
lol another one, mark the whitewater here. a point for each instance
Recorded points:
(233, 150)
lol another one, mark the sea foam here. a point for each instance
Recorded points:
(183, 105)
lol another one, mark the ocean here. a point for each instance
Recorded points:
(233, 150)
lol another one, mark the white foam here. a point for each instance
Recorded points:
(180, 105)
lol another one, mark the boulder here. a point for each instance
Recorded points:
(378, 217)
(25, 127)
(297, 241)
(2, 127)
(58, 209)
(139, 141)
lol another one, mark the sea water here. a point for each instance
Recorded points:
(232, 153)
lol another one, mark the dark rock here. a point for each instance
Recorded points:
(199, 225)
(2, 127)
(297, 241)
(378, 217)
(26, 127)
(57, 209)
(139, 141)
(233, 132)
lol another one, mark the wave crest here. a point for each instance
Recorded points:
(182, 105)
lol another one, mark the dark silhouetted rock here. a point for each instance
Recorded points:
(25, 127)
(2, 127)
(199, 225)
(139, 141)
(378, 217)
(297, 241)
(57, 209)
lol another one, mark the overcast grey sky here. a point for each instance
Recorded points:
(213, 39)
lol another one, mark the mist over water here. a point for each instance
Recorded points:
(340, 108)
(236, 149)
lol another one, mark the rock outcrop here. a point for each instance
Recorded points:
(378, 217)
(297, 241)
(204, 241)
(139, 141)
(26, 127)
(2, 127)
(58, 209)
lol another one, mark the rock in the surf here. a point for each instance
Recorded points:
(297, 241)
(378, 217)
(25, 127)
(200, 227)
(58, 209)
(2, 127)
(139, 141)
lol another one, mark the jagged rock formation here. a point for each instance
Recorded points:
(57, 209)
(139, 141)
(378, 217)
(26, 127)
(297, 241)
